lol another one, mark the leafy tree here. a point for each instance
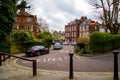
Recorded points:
(46, 38)
(109, 11)
(23, 4)
(7, 17)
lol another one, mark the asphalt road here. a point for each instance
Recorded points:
(59, 60)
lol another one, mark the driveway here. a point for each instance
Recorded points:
(59, 60)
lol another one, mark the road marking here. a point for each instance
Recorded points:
(38, 60)
(54, 59)
(44, 60)
(51, 59)
(60, 58)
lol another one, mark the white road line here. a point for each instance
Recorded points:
(38, 60)
(50, 59)
(60, 58)
(44, 60)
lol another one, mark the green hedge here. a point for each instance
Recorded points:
(101, 42)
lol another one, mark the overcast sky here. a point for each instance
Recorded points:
(58, 13)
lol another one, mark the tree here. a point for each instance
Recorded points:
(109, 13)
(7, 17)
(43, 24)
(23, 4)
(46, 38)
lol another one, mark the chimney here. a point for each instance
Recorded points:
(22, 10)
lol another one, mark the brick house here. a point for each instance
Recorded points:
(72, 31)
(82, 27)
(27, 22)
(87, 27)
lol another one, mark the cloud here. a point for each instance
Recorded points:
(60, 12)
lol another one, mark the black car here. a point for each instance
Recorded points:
(36, 50)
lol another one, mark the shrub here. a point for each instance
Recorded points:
(22, 40)
(46, 39)
(101, 42)
(5, 46)
(76, 49)
(97, 41)
(83, 40)
(14, 49)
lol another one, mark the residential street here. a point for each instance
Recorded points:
(59, 60)
(54, 66)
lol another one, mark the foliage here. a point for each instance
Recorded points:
(97, 37)
(23, 4)
(101, 42)
(38, 41)
(7, 17)
(82, 51)
(76, 49)
(22, 39)
(14, 49)
(5, 46)
(46, 38)
(83, 40)
(108, 11)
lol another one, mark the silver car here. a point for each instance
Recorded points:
(57, 46)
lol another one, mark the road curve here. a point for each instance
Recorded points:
(59, 60)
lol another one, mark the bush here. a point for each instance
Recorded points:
(83, 40)
(46, 38)
(76, 49)
(101, 42)
(98, 41)
(22, 40)
(5, 46)
(14, 49)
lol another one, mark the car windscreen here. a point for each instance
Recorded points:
(57, 44)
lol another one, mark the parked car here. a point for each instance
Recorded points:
(36, 51)
(73, 43)
(57, 46)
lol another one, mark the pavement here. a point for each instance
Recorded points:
(11, 71)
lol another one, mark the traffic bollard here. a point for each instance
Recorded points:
(71, 66)
(115, 52)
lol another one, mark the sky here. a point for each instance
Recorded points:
(59, 13)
